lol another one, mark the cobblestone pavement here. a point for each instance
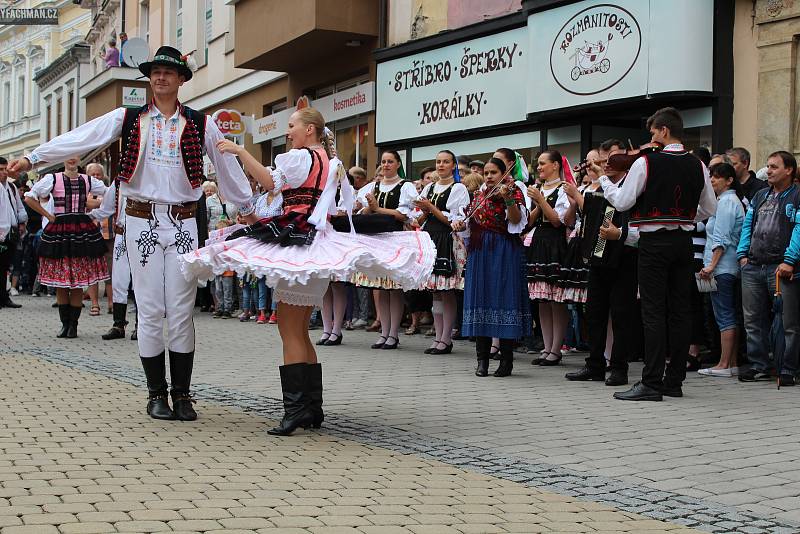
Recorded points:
(722, 459)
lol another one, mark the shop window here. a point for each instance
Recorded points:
(351, 143)
(527, 144)
(566, 140)
(696, 127)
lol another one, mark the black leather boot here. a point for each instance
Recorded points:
(314, 391)
(155, 370)
(63, 314)
(74, 315)
(295, 401)
(506, 358)
(483, 347)
(118, 330)
(180, 372)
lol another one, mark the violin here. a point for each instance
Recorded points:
(583, 166)
(622, 160)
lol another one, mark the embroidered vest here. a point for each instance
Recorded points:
(191, 143)
(303, 199)
(69, 196)
(390, 199)
(672, 191)
(552, 198)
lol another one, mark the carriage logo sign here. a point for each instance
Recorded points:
(595, 49)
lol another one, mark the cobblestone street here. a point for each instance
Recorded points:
(411, 443)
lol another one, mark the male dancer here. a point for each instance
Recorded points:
(162, 169)
(121, 268)
(612, 282)
(666, 192)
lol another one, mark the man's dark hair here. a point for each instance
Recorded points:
(702, 154)
(425, 171)
(740, 152)
(788, 161)
(462, 160)
(669, 118)
(606, 145)
(3, 161)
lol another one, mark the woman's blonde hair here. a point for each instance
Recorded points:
(313, 117)
(473, 181)
(209, 183)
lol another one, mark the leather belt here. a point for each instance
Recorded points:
(144, 209)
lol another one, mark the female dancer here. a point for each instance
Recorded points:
(72, 250)
(393, 196)
(495, 292)
(438, 207)
(546, 254)
(299, 252)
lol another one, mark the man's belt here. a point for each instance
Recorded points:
(144, 209)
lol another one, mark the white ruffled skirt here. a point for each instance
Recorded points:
(300, 273)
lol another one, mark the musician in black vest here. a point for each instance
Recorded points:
(160, 176)
(609, 247)
(667, 192)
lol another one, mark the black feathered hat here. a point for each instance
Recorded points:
(169, 57)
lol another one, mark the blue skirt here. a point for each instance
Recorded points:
(495, 290)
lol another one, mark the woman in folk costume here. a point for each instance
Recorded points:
(439, 205)
(546, 253)
(299, 252)
(392, 198)
(495, 291)
(72, 250)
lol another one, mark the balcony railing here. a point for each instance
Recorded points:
(20, 128)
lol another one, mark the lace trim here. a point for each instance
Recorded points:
(296, 299)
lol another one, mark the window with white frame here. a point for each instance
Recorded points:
(179, 25)
(144, 19)
(35, 96)
(20, 96)
(6, 102)
(207, 29)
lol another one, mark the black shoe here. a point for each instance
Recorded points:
(671, 391)
(135, 333)
(495, 354)
(752, 375)
(74, 315)
(118, 330)
(322, 340)
(617, 378)
(483, 367)
(446, 350)
(550, 363)
(430, 350)
(763, 376)
(63, 314)
(155, 372)
(785, 380)
(584, 374)
(296, 405)
(330, 342)
(314, 392)
(10, 304)
(387, 346)
(204, 309)
(639, 392)
(380, 344)
(692, 363)
(180, 372)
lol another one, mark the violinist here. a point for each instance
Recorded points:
(612, 280)
(495, 293)
(666, 191)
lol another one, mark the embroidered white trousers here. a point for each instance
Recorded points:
(120, 272)
(162, 292)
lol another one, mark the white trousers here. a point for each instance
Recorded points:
(120, 272)
(161, 290)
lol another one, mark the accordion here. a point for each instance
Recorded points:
(597, 212)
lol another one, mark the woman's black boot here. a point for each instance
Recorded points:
(64, 315)
(180, 372)
(483, 346)
(314, 391)
(506, 358)
(155, 370)
(74, 315)
(295, 400)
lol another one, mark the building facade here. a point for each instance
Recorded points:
(25, 50)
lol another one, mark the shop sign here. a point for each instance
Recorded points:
(591, 52)
(229, 121)
(340, 105)
(595, 49)
(458, 87)
(354, 101)
(134, 97)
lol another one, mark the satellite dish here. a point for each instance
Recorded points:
(135, 52)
